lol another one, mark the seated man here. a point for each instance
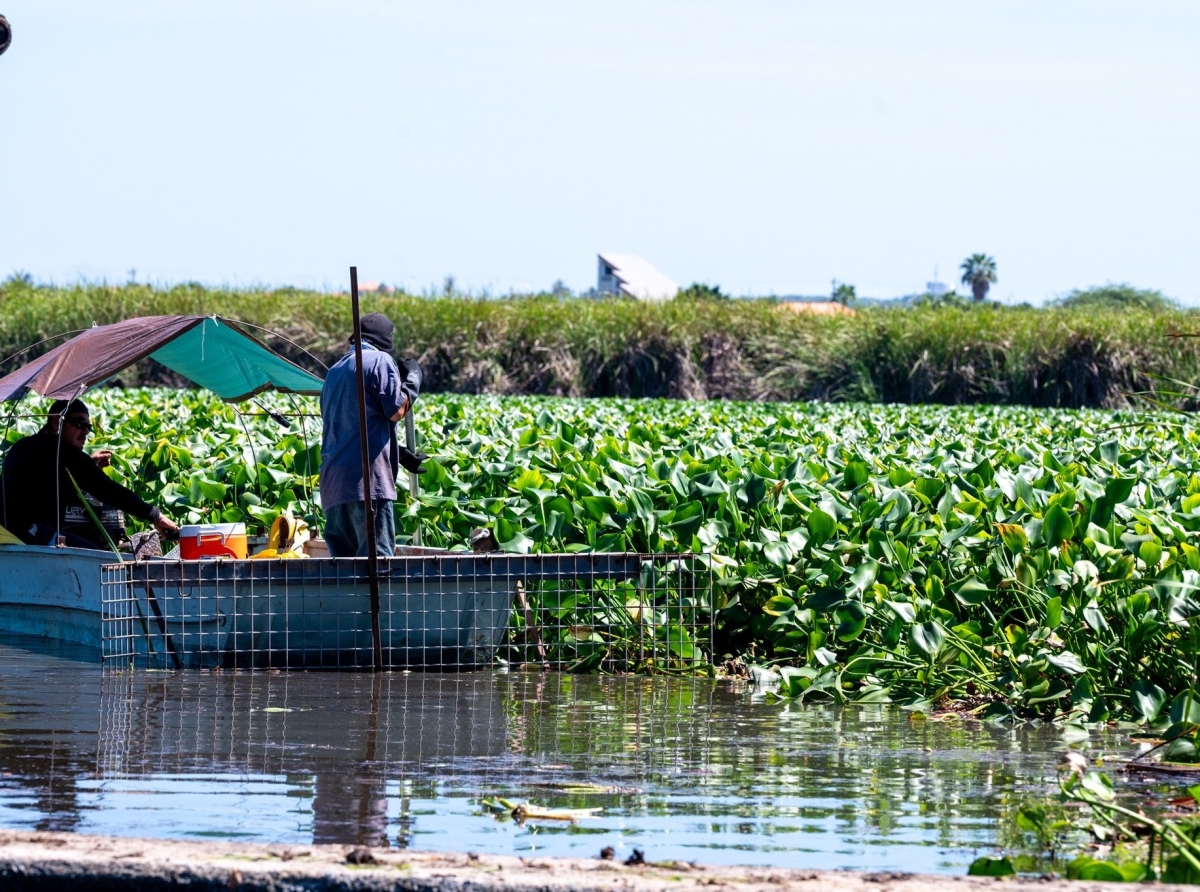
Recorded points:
(34, 499)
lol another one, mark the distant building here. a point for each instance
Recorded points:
(373, 287)
(936, 289)
(634, 277)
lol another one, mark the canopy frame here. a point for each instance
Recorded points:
(243, 367)
(239, 368)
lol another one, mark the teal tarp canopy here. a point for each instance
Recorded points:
(220, 358)
(209, 351)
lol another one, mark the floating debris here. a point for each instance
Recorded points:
(583, 788)
(527, 811)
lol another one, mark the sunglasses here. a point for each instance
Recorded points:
(83, 424)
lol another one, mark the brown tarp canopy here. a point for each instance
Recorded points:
(207, 350)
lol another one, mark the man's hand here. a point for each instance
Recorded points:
(102, 457)
(166, 526)
(411, 461)
(402, 411)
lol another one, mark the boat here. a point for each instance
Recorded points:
(240, 613)
(437, 608)
(175, 614)
(54, 593)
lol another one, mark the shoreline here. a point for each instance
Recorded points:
(31, 860)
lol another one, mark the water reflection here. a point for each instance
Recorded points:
(336, 738)
(687, 768)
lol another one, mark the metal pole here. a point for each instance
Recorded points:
(368, 502)
(410, 440)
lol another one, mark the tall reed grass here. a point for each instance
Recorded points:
(735, 349)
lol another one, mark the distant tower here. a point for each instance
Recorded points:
(936, 288)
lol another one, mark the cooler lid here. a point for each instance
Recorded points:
(192, 530)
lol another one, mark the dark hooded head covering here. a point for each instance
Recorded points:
(377, 330)
(62, 407)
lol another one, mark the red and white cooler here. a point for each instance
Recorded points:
(213, 540)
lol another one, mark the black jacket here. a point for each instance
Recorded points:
(27, 485)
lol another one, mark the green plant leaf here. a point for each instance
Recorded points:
(1067, 662)
(778, 553)
(531, 478)
(1147, 699)
(821, 526)
(1085, 868)
(1054, 612)
(1119, 489)
(855, 475)
(852, 619)
(1013, 535)
(864, 575)
(1185, 708)
(1056, 526)
(778, 605)
(991, 867)
(971, 592)
(928, 638)
(905, 611)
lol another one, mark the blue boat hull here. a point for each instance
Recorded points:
(52, 593)
(316, 613)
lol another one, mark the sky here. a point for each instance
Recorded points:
(765, 147)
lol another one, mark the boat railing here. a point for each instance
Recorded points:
(611, 612)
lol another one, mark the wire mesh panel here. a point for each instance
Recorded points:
(608, 612)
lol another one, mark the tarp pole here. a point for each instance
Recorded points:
(410, 440)
(4, 486)
(368, 501)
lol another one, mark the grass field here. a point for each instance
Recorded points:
(747, 350)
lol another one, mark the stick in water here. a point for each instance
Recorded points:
(368, 501)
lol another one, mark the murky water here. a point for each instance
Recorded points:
(684, 769)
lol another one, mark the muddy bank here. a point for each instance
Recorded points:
(59, 861)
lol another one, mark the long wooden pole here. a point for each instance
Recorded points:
(410, 440)
(368, 501)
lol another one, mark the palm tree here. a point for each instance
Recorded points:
(979, 271)
(843, 294)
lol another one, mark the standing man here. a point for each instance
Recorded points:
(390, 395)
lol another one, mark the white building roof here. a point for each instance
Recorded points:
(638, 278)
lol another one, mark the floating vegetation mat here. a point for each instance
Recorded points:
(1005, 561)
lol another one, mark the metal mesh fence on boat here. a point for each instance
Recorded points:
(575, 612)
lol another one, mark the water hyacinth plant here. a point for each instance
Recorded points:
(1016, 561)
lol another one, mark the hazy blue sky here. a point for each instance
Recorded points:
(765, 146)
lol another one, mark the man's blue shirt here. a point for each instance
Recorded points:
(341, 455)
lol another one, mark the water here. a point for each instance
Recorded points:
(684, 769)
